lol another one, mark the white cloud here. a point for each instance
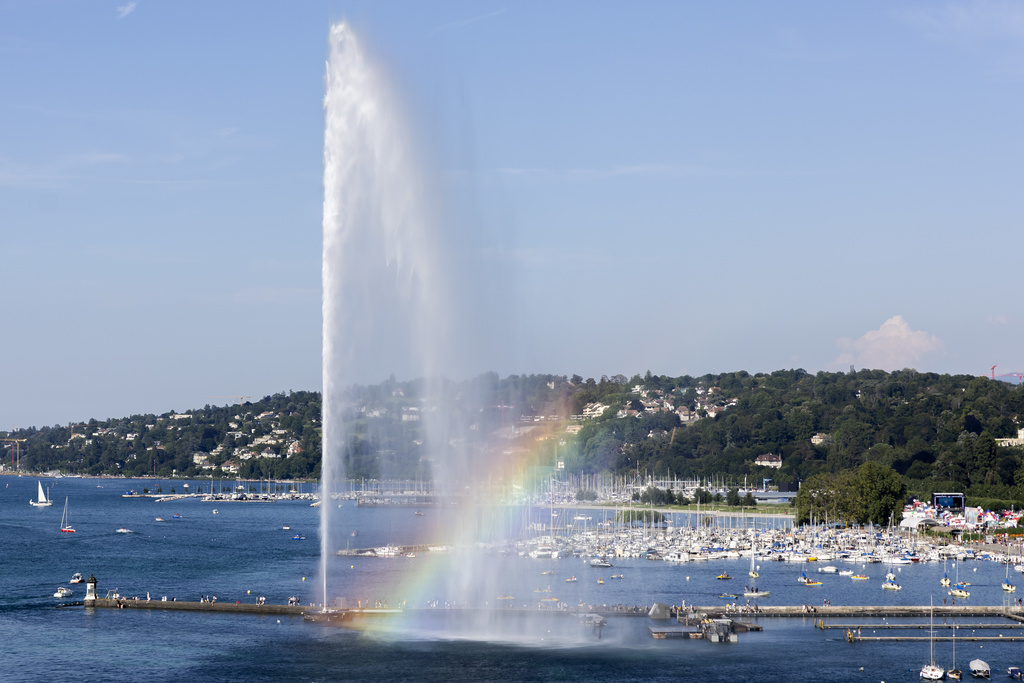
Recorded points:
(124, 10)
(893, 346)
(1001, 319)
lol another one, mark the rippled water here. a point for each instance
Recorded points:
(243, 552)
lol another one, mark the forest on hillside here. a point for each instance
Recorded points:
(938, 432)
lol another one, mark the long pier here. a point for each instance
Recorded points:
(1011, 614)
(196, 606)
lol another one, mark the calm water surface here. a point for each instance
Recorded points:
(243, 552)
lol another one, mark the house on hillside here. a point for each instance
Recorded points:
(768, 460)
(820, 439)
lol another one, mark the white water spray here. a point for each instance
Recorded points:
(383, 297)
(389, 307)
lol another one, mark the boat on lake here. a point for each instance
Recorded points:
(41, 500)
(980, 668)
(62, 592)
(891, 586)
(124, 530)
(65, 520)
(931, 672)
(76, 578)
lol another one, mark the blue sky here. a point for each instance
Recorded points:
(684, 187)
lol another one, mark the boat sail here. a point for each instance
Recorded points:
(954, 674)
(65, 520)
(931, 672)
(42, 501)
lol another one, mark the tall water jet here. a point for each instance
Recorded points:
(389, 307)
(383, 304)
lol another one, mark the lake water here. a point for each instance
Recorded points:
(243, 552)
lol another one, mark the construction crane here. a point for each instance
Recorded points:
(15, 452)
(1007, 375)
(241, 399)
(993, 372)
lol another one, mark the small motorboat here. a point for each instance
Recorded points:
(728, 596)
(62, 592)
(980, 668)
(159, 519)
(1014, 672)
(859, 577)
(618, 576)
(419, 513)
(891, 586)
(812, 583)
(215, 511)
(600, 580)
(124, 530)
(76, 578)
(723, 577)
(286, 527)
(298, 537)
(571, 579)
(176, 515)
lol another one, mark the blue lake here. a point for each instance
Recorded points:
(243, 552)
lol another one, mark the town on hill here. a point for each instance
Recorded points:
(924, 432)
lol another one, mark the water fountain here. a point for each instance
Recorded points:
(389, 307)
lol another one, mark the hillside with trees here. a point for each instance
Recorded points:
(934, 432)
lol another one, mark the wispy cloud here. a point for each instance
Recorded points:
(273, 295)
(983, 19)
(124, 10)
(893, 346)
(13, 174)
(649, 171)
(1001, 319)
(466, 22)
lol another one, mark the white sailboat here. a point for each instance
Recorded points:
(65, 520)
(931, 672)
(954, 674)
(1007, 586)
(42, 501)
(753, 572)
(959, 589)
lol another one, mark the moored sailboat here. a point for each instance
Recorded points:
(954, 674)
(931, 672)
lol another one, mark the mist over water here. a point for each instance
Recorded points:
(389, 305)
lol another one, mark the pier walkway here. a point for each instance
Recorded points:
(819, 614)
